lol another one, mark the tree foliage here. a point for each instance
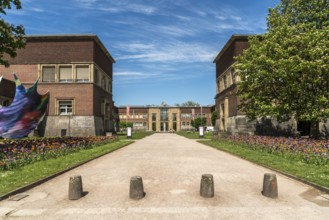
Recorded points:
(11, 36)
(196, 123)
(190, 104)
(124, 125)
(213, 117)
(284, 73)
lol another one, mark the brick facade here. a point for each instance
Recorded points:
(177, 118)
(76, 108)
(232, 120)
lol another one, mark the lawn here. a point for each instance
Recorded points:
(25, 175)
(136, 135)
(195, 134)
(287, 163)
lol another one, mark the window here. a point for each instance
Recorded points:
(103, 82)
(174, 115)
(225, 82)
(154, 116)
(65, 74)
(164, 115)
(186, 115)
(233, 76)
(63, 132)
(82, 73)
(96, 77)
(48, 74)
(109, 87)
(65, 107)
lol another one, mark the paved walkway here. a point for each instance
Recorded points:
(171, 167)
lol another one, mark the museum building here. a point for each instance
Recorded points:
(164, 118)
(229, 118)
(77, 70)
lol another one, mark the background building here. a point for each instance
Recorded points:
(229, 118)
(77, 71)
(163, 118)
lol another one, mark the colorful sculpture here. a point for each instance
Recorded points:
(22, 116)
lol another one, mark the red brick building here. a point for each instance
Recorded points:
(230, 119)
(77, 70)
(233, 121)
(163, 118)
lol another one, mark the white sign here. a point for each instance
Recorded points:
(129, 132)
(200, 131)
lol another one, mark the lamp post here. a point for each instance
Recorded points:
(201, 126)
(201, 116)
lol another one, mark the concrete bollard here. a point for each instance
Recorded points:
(207, 186)
(136, 188)
(75, 188)
(270, 185)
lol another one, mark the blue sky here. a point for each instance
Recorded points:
(164, 49)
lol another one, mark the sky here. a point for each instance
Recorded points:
(164, 49)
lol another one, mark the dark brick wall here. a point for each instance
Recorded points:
(99, 95)
(55, 51)
(102, 60)
(235, 47)
(82, 93)
(25, 73)
(227, 59)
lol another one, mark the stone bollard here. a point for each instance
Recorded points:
(270, 185)
(207, 186)
(75, 188)
(136, 188)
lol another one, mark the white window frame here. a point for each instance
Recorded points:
(66, 108)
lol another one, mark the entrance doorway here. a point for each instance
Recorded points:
(164, 126)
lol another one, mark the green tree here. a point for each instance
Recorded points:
(124, 124)
(11, 36)
(190, 104)
(196, 123)
(213, 117)
(284, 73)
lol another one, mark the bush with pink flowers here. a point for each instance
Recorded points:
(307, 150)
(17, 153)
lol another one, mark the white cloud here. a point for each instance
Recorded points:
(174, 52)
(132, 73)
(116, 6)
(135, 47)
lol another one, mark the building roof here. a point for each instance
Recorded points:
(63, 37)
(157, 106)
(228, 44)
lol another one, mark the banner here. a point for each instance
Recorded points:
(128, 110)
(23, 115)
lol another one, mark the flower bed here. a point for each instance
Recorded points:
(17, 153)
(308, 150)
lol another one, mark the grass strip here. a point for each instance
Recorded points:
(135, 135)
(14, 179)
(316, 174)
(195, 134)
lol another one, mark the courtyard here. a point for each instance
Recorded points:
(171, 167)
